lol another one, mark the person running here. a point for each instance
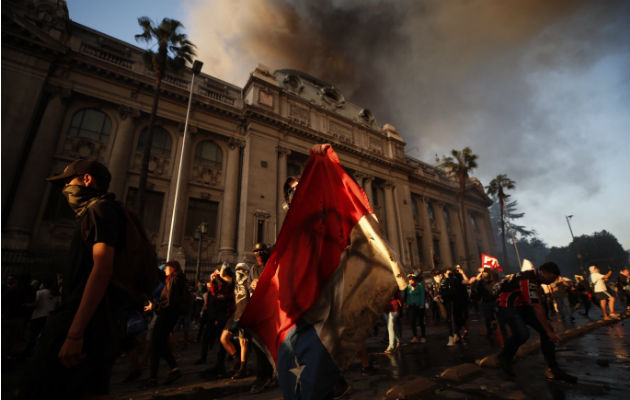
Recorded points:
(601, 292)
(519, 299)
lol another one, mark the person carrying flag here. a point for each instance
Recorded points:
(325, 284)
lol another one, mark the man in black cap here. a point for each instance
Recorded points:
(77, 349)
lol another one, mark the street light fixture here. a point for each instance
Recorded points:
(196, 69)
(569, 223)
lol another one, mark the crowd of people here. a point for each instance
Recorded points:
(78, 321)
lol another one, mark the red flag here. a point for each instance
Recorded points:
(490, 262)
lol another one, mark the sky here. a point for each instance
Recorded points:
(538, 89)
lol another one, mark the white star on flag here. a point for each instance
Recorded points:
(297, 371)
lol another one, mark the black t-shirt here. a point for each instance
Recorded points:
(103, 222)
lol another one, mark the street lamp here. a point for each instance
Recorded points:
(202, 229)
(196, 68)
(570, 230)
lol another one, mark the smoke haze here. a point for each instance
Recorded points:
(538, 89)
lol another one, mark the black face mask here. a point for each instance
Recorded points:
(80, 197)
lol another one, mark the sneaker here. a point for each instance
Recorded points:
(389, 350)
(174, 375)
(414, 340)
(451, 341)
(423, 340)
(615, 315)
(556, 374)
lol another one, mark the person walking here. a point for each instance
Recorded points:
(171, 305)
(414, 302)
(392, 311)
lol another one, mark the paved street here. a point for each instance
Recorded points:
(600, 358)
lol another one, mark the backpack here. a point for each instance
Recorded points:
(136, 271)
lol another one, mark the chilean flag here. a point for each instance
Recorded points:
(326, 283)
(490, 262)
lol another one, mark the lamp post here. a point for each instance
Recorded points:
(570, 230)
(201, 229)
(196, 68)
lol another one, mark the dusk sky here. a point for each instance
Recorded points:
(539, 89)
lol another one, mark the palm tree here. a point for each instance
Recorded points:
(460, 164)
(497, 188)
(174, 50)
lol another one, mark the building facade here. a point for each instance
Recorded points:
(71, 92)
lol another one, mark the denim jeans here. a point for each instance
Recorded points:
(517, 318)
(392, 329)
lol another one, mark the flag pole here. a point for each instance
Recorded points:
(196, 68)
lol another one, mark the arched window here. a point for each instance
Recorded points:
(92, 124)
(208, 153)
(160, 143)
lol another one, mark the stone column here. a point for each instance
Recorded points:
(282, 176)
(445, 248)
(229, 206)
(483, 231)
(460, 251)
(427, 235)
(367, 186)
(392, 231)
(472, 242)
(32, 184)
(121, 151)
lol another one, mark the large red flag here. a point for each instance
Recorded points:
(326, 282)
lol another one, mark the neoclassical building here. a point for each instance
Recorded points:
(69, 91)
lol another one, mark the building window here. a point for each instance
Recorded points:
(160, 143)
(260, 231)
(375, 195)
(473, 221)
(152, 214)
(202, 211)
(92, 124)
(430, 212)
(208, 153)
(447, 217)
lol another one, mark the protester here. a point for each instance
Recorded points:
(221, 308)
(264, 369)
(623, 286)
(482, 289)
(76, 351)
(171, 305)
(519, 297)
(45, 303)
(241, 296)
(601, 293)
(414, 302)
(560, 297)
(453, 293)
(392, 312)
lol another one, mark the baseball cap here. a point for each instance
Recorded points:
(260, 247)
(81, 166)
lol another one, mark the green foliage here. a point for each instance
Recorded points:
(174, 48)
(601, 249)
